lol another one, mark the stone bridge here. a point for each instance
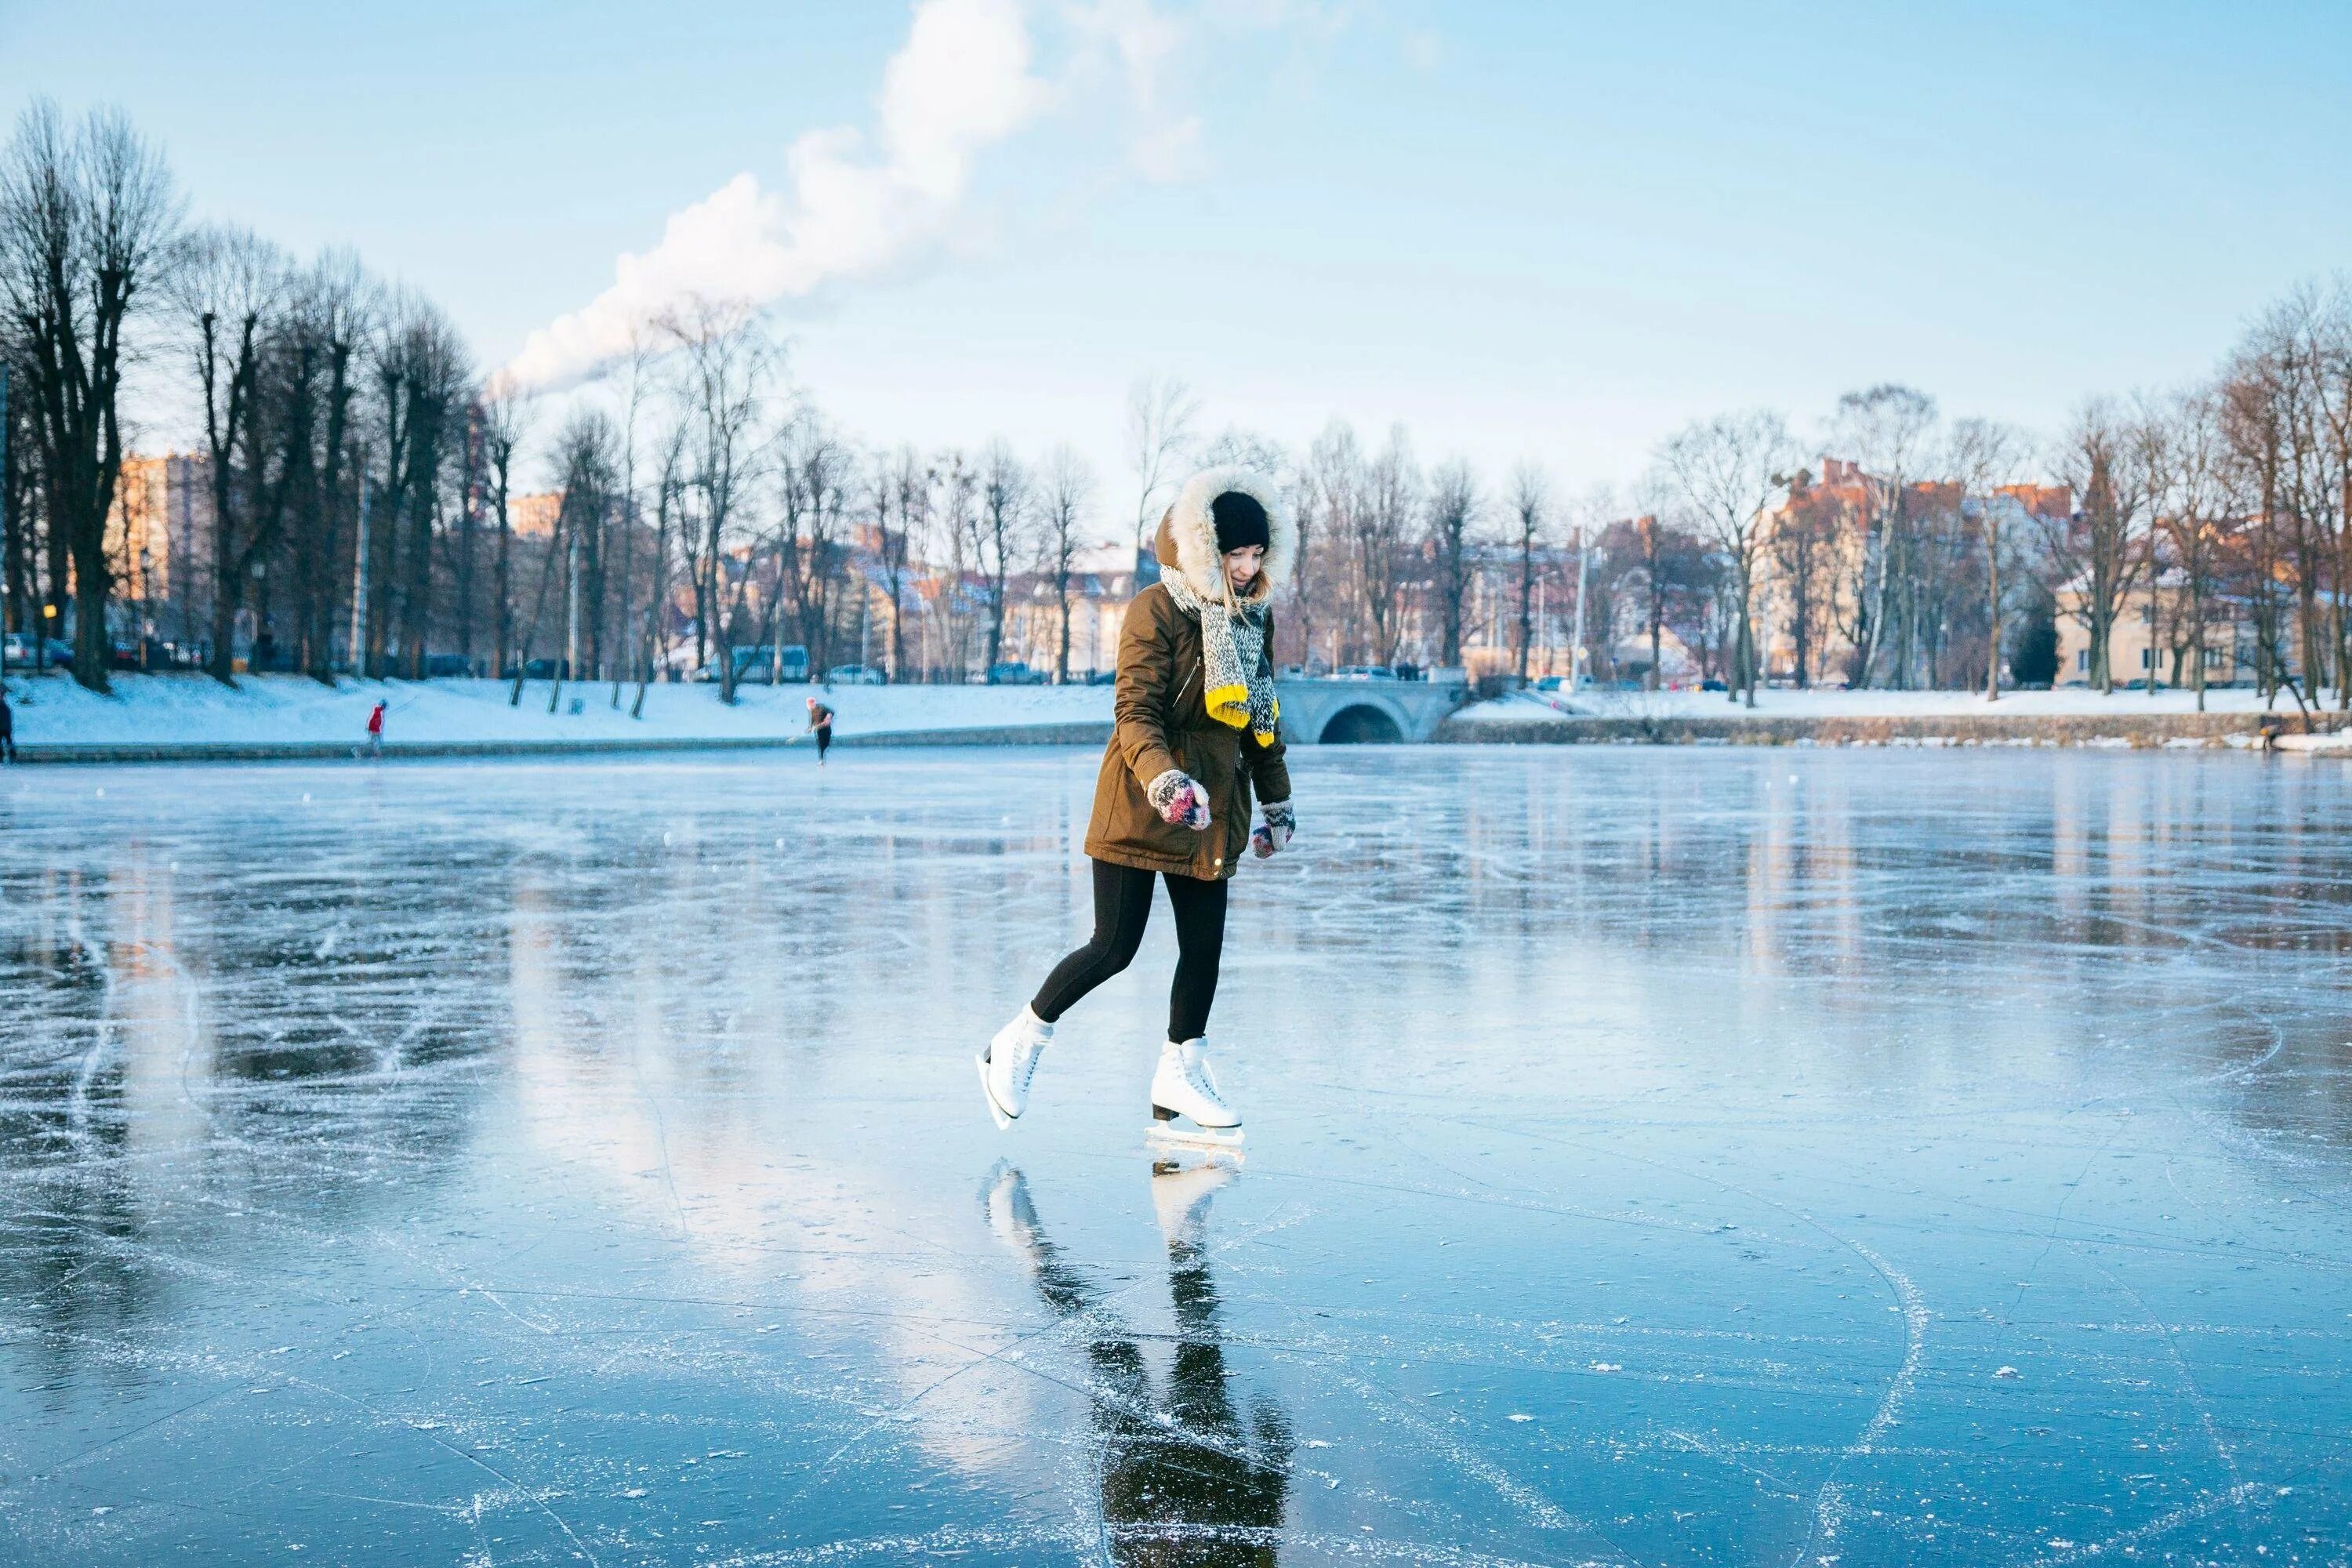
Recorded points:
(1318, 713)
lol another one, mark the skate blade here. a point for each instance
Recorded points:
(1004, 1122)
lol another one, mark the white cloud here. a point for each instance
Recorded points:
(1164, 139)
(960, 83)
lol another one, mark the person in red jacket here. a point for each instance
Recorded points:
(375, 731)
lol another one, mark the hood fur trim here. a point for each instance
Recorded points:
(1188, 533)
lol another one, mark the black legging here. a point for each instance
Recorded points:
(1122, 905)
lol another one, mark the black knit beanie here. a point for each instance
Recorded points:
(1241, 522)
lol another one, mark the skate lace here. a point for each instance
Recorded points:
(1025, 1065)
(1197, 1075)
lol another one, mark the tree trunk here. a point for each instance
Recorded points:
(1992, 607)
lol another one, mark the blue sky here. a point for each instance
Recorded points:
(1544, 230)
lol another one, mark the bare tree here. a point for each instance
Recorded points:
(2102, 550)
(907, 484)
(2329, 334)
(815, 468)
(726, 366)
(1454, 508)
(668, 484)
(1001, 525)
(1886, 430)
(1388, 497)
(1330, 494)
(1159, 413)
(2285, 361)
(1530, 509)
(2199, 509)
(87, 220)
(637, 370)
(1656, 587)
(1069, 492)
(1805, 538)
(422, 377)
(1726, 471)
(2252, 426)
(588, 461)
(324, 324)
(959, 534)
(228, 289)
(1985, 457)
(505, 416)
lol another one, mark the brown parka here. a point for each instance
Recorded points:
(1162, 720)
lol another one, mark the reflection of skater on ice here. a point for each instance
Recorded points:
(1196, 734)
(821, 726)
(1185, 1479)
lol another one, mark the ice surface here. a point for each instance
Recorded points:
(1656, 1157)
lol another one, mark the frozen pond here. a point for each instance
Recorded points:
(1681, 1157)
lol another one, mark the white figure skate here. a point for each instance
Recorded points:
(1183, 1088)
(1009, 1063)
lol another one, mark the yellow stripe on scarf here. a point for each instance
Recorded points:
(1264, 738)
(1229, 706)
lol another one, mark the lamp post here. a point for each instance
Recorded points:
(8, 489)
(360, 579)
(1576, 649)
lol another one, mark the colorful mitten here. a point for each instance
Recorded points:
(1272, 836)
(1178, 799)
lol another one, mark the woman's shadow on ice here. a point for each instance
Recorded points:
(1185, 1479)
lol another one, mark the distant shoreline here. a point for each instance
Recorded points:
(2241, 730)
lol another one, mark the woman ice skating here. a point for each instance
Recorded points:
(1194, 735)
(375, 731)
(821, 726)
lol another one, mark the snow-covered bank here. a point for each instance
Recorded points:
(148, 711)
(2065, 701)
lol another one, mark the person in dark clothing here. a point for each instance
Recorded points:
(1122, 905)
(821, 726)
(7, 730)
(1195, 735)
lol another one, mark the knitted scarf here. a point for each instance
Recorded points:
(1237, 682)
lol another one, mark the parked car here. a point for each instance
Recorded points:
(1363, 672)
(758, 666)
(1712, 684)
(1550, 682)
(445, 664)
(857, 675)
(24, 650)
(1012, 672)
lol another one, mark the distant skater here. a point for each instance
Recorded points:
(821, 726)
(1194, 733)
(8, 729)
(375, 731)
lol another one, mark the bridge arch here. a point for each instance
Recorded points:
(1362, 724)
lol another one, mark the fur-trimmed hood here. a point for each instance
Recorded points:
(1187, 540)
